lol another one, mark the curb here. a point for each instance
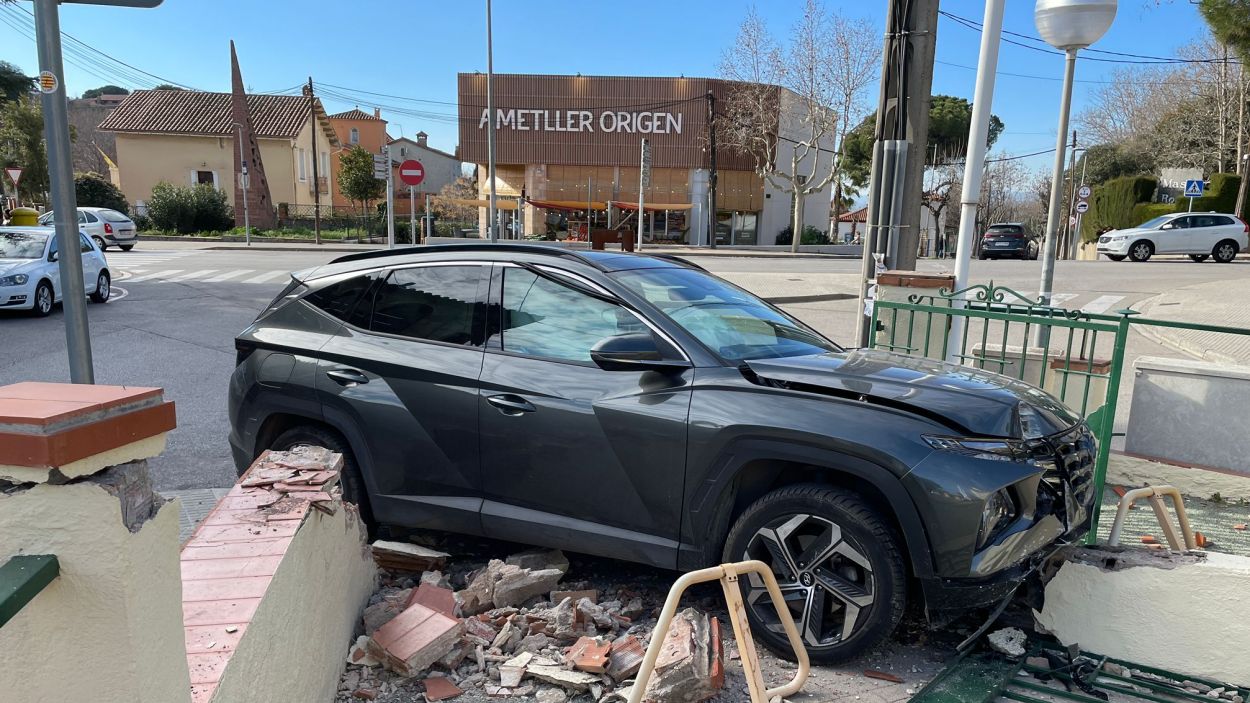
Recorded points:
(1161, 336)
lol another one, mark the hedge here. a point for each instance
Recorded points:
(1111, 207)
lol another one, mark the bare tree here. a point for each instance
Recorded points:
(790, 105)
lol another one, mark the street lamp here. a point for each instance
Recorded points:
(1070, 25)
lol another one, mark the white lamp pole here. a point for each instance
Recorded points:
(978, 138)
(1069, 25)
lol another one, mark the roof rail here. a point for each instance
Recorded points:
(435, 248)
(677, 259)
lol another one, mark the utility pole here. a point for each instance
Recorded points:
(1068, 244)
(312, 108)
(711, 180)
(61, 175)
(390, 197)
(921, 34)
(490, 127)
(247, 219)
(429, 220)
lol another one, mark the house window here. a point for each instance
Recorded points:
(355, 136)
(205, 178)
(303, 166)
(403, 152)
(325, 164)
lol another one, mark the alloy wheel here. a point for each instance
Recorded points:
(1225, 252)
(103, 287)
(43, 299)
(824, 579)
(1141, 251)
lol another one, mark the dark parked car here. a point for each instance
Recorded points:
(639, 408)
(1009, 241)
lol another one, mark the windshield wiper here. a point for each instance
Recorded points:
(570, 283)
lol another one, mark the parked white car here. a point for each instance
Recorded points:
(106, 227)
(1198, 234)
(30, 275)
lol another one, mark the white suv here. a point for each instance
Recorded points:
(1198, 234)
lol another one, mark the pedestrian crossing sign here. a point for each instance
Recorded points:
(1193, 188)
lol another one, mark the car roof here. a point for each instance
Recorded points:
(605, 261)
(40, 229)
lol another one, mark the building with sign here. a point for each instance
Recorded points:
(571, 145)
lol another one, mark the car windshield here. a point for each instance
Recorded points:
(112, 216)
(1156, 222)
(731, 322)
(22, 245)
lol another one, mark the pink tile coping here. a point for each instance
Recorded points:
(230, 559)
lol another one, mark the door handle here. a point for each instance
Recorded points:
(511, 404)
(347, 377)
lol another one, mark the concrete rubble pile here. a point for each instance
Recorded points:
(511, 632)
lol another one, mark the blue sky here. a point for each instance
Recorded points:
(414, 48)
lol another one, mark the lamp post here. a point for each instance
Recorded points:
(490, 129)
(1070, 25)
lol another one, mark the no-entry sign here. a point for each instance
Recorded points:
(411, 172)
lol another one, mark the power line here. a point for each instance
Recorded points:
(1130, 58)
(1078, 80)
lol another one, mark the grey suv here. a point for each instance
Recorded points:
(639, 408)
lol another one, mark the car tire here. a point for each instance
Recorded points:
(99, 242)
(1199, 258)
(349, 478)
(1225, 251)
(1116, 257)
(863, 560)
(44, 300)
(1141, 251)
(126, 247)
(103, 288)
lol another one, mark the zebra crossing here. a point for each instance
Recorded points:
(171, 267)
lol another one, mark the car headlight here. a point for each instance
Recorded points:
(1119, 238)
(17, 279)
(993, 449)
(997, 513)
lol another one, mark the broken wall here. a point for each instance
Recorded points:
(109, 628)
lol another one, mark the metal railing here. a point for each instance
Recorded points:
(21, 579)
(998, 328)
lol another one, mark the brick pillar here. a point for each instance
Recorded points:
(74, 483)
(259, 202)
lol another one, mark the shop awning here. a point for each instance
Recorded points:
(652, 207)
(569, 205)
(501, 203)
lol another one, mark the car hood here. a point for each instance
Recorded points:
(1132, 231)
(972, 401)
(8, 266)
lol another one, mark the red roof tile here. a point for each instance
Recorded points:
(356, 114)
(195, 112)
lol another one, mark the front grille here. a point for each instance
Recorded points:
(1069, 486)
(1104, 240)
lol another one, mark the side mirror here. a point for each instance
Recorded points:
(633, 352)
(1168, 225)
(53, 256)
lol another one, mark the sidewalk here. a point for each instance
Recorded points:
(273, 244)
(1222, 303)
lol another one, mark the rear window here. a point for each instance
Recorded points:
(343, 300)
(112, 216)
(1005, 229)
(434, 303)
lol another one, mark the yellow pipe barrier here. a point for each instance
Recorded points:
(728, 575)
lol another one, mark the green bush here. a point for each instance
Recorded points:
(1221, 196)
(811, 235)
(143, 223)
(1113, 204)
(94, 190)
(199, 208)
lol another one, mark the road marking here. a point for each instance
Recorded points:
(1058, 299)
(192, 274)
(265, 277)
(157, 274)
(1101, 304)
(114, 295)
(227, 276)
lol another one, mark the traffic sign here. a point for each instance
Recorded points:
(1082, 206)
(15, 174)
(1193, 188)
(1072, 221)
(1083, 192)
(411, 172)
(380, 170)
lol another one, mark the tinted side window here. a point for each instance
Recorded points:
(84, 244)
(344, 300)
(437, 303)
(545, 319)
(1221, 220)
(90, 217)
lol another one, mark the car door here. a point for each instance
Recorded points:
(1174, 236)
(574, 456)
(90, 262)
(89, 223)
(402, 373)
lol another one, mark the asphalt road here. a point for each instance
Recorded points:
(176, 312)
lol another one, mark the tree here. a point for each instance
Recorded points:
(462, 188)
(1230, 23)
(949, 120)
(168, 86)
(21, 145)
(94, 190)
(791, 104)
(105, 90)
(356, 179)
(1102, 162)
(13, 83)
